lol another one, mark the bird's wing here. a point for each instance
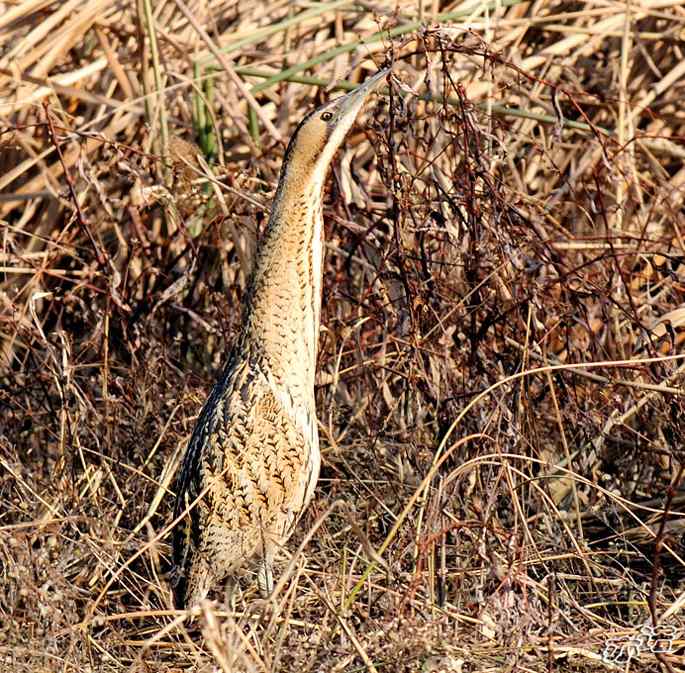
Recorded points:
(186, 535)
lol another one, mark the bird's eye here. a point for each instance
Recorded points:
(327, 116)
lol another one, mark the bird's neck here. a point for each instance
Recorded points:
(285, 296)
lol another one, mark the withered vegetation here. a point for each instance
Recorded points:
(501, 396)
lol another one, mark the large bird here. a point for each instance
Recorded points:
(253, 460)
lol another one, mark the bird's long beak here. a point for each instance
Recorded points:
(354, 99)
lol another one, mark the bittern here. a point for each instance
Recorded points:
(253, 459)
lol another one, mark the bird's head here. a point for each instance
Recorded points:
(323, 130)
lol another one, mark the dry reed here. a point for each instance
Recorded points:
(501, 397)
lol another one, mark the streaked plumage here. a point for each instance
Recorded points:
(253, 460)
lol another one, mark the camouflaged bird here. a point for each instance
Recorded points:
(253, 459)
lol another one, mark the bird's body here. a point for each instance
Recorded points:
(253, 460)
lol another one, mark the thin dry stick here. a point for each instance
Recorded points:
(349, 632)
(619, 419)
(567, 453)
(310, 534)
(656, 568)
(226, 65)
(159, 93)
(83, 224)
(217, 645)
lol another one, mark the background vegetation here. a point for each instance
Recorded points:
(500, 397)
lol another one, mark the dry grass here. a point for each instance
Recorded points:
(501, 393)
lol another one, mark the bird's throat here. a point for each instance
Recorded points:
(285, 297)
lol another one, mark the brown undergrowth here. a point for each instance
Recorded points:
(500, 392)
